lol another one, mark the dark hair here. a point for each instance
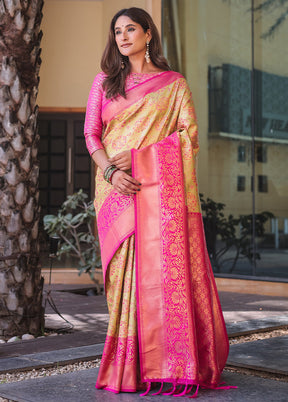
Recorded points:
(114, 83)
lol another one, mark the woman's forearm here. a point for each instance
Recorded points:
(122, 182)
(121, 160)
(101, 159)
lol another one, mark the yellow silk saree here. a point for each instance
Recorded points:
(166, 323)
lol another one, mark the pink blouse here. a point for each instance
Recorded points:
(93, 126)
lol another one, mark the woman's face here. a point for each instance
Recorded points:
(130, 37)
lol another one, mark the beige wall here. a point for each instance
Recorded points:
(75, 33)
(71, 51)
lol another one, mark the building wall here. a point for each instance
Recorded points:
(71, 51)
(224, 168)
(214, 32)
(75, 34)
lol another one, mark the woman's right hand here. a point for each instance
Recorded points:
(124, 183)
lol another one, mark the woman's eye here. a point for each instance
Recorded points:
(117, 32)
(131, 29)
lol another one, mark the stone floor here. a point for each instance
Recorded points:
(79, 387)
(269, 355)
(243, 314)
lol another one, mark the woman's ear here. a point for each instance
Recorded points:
(148, 35)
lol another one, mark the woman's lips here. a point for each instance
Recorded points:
(126, 45)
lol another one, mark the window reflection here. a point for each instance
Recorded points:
(242, 142)
(241, 183)
(261, 153)
(241, 153)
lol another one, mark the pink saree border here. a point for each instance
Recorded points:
(166, 325)
(113, 206)
(119, 358)
(175, 252)
(112, 108)
(185, 361)
(148, 173)
(118, 392)
(116, 222)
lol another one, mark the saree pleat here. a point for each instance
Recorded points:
(119, 370)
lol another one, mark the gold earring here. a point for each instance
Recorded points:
(147, 55)
(122, 64)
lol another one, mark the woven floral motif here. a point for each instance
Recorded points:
(177, 284)
(191, 330)
(114, 205)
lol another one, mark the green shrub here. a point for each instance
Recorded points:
(74, 227)
(224, 229)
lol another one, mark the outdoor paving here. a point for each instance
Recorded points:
(244, 313)
(250, 326)
(50, 343)
(89, 315)
(238, 307)
(267, 355)
(48, 359)
(80, 386)
(86, 313)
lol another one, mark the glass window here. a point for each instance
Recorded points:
(262, 184)
(240, 92)
(241, 183)
(241, 153)
(261, 153)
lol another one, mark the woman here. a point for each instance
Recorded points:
(166, 323)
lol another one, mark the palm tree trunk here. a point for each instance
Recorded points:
(21, 284)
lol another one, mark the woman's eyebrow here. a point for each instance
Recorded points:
(129, 25)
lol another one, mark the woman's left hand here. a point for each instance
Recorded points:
(122, 160)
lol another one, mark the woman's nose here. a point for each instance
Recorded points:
(124, 36)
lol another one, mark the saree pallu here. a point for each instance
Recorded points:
(166, 323)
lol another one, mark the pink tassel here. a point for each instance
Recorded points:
(160, 390)
(190, 389)
(195, 393)
(170, 391)
(226, 387)
(183, 392)
(178, 391)
(147, 390)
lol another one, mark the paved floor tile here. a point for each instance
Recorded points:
(249, 326)
(46, 359)
(266, 354)
(79, 386)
